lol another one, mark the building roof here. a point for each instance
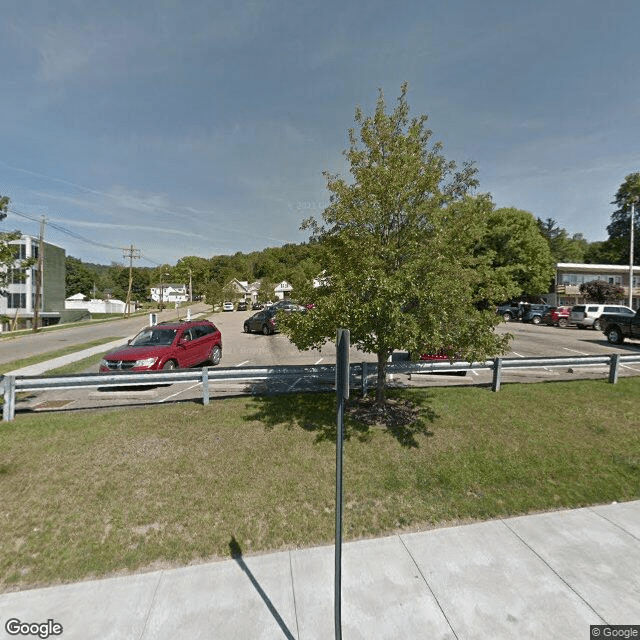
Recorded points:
(594, 267)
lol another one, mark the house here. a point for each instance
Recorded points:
(169, 293)
(569, 277)
(17, 302)
(283, 290)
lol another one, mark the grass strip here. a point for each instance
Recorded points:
(93, 493)
(43, 357)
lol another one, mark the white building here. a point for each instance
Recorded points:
(170, 293)
(18, 301)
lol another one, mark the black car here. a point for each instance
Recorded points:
(256, 306)
(262, 322)
(242, 306)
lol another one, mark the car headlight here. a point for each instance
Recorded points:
(147, 362)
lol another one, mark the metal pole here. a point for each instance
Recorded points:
(342, 394)
(631, 254)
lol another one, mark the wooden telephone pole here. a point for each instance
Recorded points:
(130, 253)
(37, 302)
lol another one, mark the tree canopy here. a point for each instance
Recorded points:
(616, 248)
(9, 267)
(563, 247)
(399, 245)
(602, 291)
(518, 251)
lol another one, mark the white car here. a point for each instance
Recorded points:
(227, 306)
(588, 315)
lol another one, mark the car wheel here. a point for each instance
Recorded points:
(596, 324)
(265, 330)
(535, 320)
(506, 317)
(614, 335)
(247, 328)
(169, 365)
(563, 322)
(215, 356)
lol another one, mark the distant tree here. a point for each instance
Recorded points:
(564, 248)
(518, 251)
(398, 247)
(619, 228)
(78, 278)
(195, 268)
(601, 291)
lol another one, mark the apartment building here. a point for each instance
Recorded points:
(18, 301)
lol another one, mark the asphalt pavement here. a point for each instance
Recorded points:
(544, 576)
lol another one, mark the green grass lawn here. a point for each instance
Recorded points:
(92, 493)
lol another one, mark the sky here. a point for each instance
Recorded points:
(201, 128)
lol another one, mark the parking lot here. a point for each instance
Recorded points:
(243, 350)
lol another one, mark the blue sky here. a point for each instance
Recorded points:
(203, 127)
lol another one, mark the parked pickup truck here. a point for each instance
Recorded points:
(618, 326)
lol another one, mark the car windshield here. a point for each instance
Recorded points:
(154, 338)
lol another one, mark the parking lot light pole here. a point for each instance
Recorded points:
(631, 241)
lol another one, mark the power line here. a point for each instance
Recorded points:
(73, 234)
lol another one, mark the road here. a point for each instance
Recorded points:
(33, 344)
(241, 349)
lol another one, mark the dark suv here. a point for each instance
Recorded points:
(534, 312)
(510, 311)
(167, 345)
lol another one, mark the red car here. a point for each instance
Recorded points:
(557, 316)
(168, 345)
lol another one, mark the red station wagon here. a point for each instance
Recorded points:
(168, 345)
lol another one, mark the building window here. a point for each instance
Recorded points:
(17, 301)
(17, 275)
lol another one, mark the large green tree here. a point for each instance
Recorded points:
(619, 229)
(518, 251)
(399, 247)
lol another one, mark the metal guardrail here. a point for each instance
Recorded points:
(361, 375)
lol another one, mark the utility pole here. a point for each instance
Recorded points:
(130, 253)
(190, 287)
(37, 303)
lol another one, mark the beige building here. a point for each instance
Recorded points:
(569, 277)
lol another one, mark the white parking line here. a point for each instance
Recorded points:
(243, 363)
(319, 361)
(173, 395)
(517, 354)
(582, 353)
(626, 366)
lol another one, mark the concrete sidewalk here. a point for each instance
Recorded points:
(54, 363)
(546, 576)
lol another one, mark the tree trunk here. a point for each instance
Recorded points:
(381, 382)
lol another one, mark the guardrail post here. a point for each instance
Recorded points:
(9, 407)
(613, 368)
(497, 374)
(205, 385)
(365, 373)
